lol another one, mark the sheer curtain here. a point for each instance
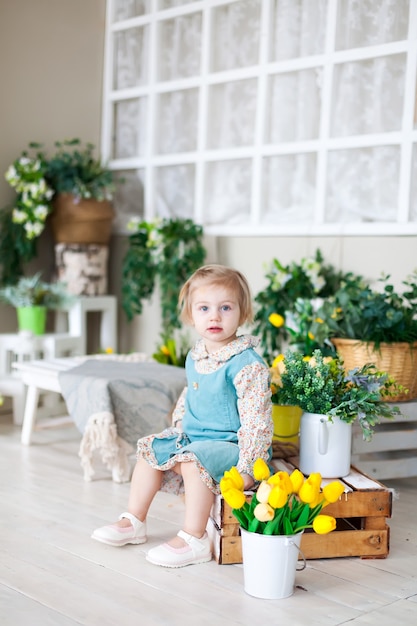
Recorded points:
(366, 99)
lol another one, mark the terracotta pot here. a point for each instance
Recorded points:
(85, 221)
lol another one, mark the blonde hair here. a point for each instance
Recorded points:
(222, 276)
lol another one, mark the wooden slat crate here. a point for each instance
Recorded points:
(361, 528)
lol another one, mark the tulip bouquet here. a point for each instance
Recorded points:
(283, 504)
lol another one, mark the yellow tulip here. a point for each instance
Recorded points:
(260, 470)
(278, 363)
(264, 512)
(263, 492)
(234, 476)
(276, 320)
(308, 491)
(282, 480)
(317, 501)
(297, 479)
(333, 491)
(315, 479)
(277, 497)
(310, 335)
(324, 524)
(165, 350)
(234, 498)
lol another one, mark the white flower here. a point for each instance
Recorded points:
(19, 217)
(41, 212)
(33, 229)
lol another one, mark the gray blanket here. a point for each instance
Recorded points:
(138, 397)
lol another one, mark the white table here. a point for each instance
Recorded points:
(24, 346)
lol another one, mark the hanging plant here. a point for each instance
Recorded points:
(163, 251)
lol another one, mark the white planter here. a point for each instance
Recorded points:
(269, 564)
(325, 446)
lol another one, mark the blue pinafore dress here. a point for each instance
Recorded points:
(210, 423)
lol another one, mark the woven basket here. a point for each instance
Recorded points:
(398, 359)
(83, 222)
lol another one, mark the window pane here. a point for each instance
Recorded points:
(289, 188)
(130, 128)
(177, 121)
(168, 4)
(175, 191)
(370, 22)
(129, 198)
(297, 28)
(232, 108)
(368, 96)
(179, 47)
(362, 185)
(228, 192)
(295, 101)
(230, 49)
(124, 9)
(131, 58)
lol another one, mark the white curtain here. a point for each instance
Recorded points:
(367, 97)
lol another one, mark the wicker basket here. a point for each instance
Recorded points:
(83, 222)
(398, 359)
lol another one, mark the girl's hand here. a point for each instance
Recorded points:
(248, 481)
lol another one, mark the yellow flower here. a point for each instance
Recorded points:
(317, 501)
(109, 351)
(297, 479)
(277, 497)
(260, 470)
(310, 336)
(319, 320)
(309, 491)
(234, 498)
(333, 491)
(263, 492)
(324, 524)
(234, 477)
(276, 320)
(279, 362)
(165, 350)
(264, 512)
(281, 480)
(315, 479)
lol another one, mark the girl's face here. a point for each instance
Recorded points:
(216, 312)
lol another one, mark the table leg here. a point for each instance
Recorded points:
(29, 418)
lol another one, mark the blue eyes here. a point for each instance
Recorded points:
(225, 307)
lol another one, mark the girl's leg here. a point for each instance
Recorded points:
(146, 482)
(198, 502)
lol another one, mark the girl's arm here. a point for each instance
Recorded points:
(255, 409)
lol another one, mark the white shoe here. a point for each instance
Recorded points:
(196, 551)
(116, 536)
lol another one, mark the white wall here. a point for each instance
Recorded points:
(51, 85)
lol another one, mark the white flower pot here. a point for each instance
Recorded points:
(325, 446)
(269, 564)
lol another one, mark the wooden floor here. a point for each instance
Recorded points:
(53, 574)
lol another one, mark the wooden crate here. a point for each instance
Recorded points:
(361, 528)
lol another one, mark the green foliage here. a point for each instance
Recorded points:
(15, 249)
(32, 291)
(290, 292)
(172, 352)
(74, 169)
(320, 385)
(356, 311)
(167, 252)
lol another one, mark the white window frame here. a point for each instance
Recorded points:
(404, 139)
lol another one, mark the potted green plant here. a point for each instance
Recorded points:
(46, 185)
(286, 307)
(374, 325)
(32, 297)
(331, 400)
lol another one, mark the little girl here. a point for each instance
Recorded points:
(222, 418)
